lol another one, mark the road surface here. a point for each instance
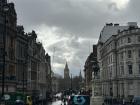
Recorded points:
(57, 103)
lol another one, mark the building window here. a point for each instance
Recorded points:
(1, 68)
(110, 58)
(122, 70)
(33, 75)
(121, 55)
(11, 70)
(129, 53)
(1, 52)
(139, 53)
(130, 86)
(130, 69)
(110, 72)
(139, 68)
(118, 44)
(1, 38)
(138, 38)
(121, 41)
(129, 40)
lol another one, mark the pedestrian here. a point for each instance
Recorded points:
(19, 102)
(123, 101)
(64, 100)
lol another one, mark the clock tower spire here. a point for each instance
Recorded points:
(66, 71)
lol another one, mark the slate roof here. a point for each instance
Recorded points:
(110, 30)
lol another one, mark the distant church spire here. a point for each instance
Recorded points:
(66, 71)
(80, 76)
(66, 66)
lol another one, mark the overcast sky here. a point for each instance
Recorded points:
(69, 28)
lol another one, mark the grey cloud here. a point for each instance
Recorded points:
(74, 19)
(113, 7)
(80, 53)
(81, 18)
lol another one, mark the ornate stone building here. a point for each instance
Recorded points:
(21, 59)
(42, 72)
(119, 60)
(48, 74)
(88, 69)
(33, 66)
(67, 80)
(23, 62)
(8, 22)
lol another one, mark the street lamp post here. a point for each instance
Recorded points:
(71, 81)
(23, 81)
(5, 9)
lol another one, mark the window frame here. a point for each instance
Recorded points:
(130, 68)
(129, 53)
(129, 40)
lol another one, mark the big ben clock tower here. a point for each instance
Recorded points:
(66, 72)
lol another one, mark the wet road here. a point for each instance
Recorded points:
(57, 103)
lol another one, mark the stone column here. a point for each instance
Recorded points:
(125, 89)
(136, 89)
(121, 89)
(97, 98)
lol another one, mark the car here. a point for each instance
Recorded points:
(79, 100)
(136, 100)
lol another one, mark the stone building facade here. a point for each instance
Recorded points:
(26, 66)
(48, 74)
(42, 71)
(8, 22)
(21, 59)
(88, 69)
(119, 60)
(33, 66)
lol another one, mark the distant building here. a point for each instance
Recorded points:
(77, 82)
(66, 83)
(119, 60)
